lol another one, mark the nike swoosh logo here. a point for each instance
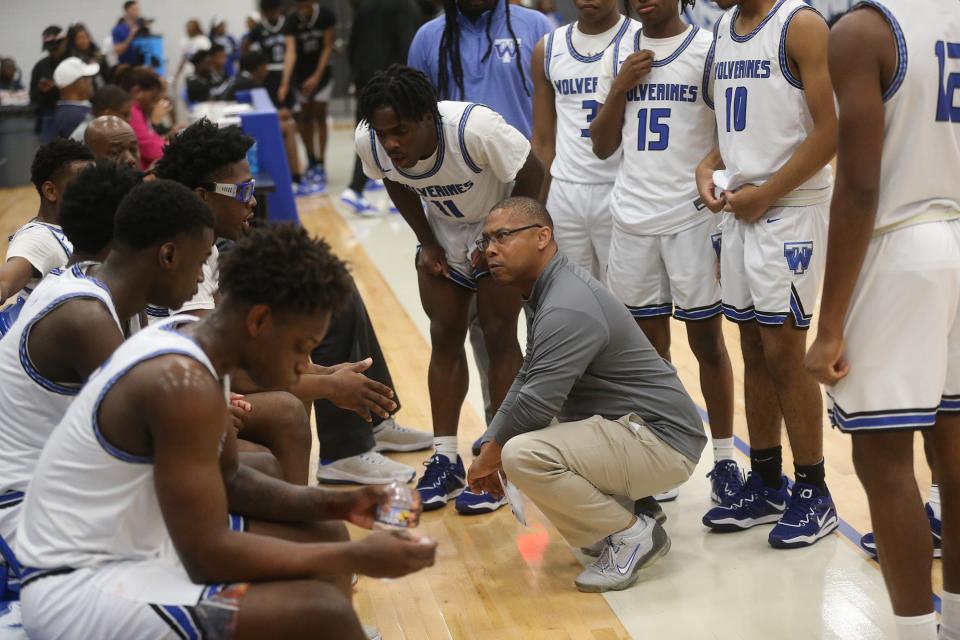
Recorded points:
(777, 505)
(769, 220)
(623, 570)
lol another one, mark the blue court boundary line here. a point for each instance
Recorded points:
(844, 528)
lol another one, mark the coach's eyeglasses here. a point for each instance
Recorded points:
(500, 236)
(241, 191)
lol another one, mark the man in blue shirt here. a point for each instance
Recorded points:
(125, 31)
(480, 51)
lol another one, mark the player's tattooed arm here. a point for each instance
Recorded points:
(862, 58)
(544, 117)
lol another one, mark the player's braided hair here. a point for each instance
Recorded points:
(683, 5)
(403, 89)
(450, 61)
(281, 266)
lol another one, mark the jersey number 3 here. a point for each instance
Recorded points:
(591, 107)
(949, 82)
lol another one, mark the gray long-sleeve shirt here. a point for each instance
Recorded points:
(586, 356)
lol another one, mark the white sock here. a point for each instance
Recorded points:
(917, 627)
(950, 616)
(446, 446)
(935, 500)
(722, 449)
(636, 529)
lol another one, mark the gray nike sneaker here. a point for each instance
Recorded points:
(622, 558)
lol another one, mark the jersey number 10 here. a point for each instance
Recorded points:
(949, 83)
(736, 108)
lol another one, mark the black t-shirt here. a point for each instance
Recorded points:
(271, 40)
(309, 36)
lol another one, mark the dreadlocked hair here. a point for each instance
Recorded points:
(450, 61)
(403, 89)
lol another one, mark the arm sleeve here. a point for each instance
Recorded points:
(491, 142)
(40, 248)
(366, 150)
(565, 342)
(605, 77)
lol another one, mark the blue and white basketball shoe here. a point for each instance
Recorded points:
(869, 544)
(810, 517)
(726, 481)
(755, 504)
(471, 504)
(441, 482)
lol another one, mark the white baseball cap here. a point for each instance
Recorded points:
(71, 70)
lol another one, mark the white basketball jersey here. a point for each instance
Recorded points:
(33, 405)
(574, 78)
(762, 114)
(668, 128)
(90, 503)
(55, 243)
(920, 169)
(457, 186)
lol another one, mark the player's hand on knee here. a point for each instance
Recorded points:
(352, 390)
(825, 361)
(392, 554)
(433, 259)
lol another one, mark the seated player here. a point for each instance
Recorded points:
(39, 245)
(212, 161)
(253, 72)
(461, 158)
(155, 249)
(594, 412)
(125, 525)
(109, 100)
(111, 139)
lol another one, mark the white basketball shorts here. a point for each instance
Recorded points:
(582, 223)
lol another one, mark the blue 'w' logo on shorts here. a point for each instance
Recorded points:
(798, 255)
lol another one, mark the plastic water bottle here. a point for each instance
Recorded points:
(397, 513)
(253, 159)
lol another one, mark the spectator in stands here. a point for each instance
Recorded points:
(253, 71)
(147, 90)
(193, 43)
(10, 75)
(74, 79)
(111, 139)
(43, 92)
(125, 31)
(80, 44)
(199, 83)
(231, 48)
(110, 100)
(380, 36)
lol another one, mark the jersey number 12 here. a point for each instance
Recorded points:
(949, 82)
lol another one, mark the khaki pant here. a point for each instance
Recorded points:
(572, 471)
